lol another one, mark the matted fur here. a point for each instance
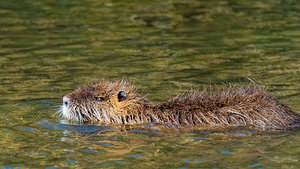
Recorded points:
(237, 105)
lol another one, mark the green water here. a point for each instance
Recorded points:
(48, 48)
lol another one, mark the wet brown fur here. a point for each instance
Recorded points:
(238, 105)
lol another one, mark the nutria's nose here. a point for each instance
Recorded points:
(66, 101)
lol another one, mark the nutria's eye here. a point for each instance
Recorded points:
(122, 96)
(99, 99)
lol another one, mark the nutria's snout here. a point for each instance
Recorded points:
(65, 107)
(66, 101)
(238, 105)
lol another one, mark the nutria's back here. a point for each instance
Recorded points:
(238, 105)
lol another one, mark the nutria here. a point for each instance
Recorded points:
(238, 105)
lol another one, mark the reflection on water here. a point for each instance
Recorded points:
(48, 48)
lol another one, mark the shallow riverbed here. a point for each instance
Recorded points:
(48, 48)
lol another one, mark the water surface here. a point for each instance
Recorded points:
(48, 48)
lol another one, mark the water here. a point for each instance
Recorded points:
(48, 48)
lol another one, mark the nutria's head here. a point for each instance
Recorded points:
(104, 101)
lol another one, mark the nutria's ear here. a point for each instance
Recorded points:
(122, 96)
